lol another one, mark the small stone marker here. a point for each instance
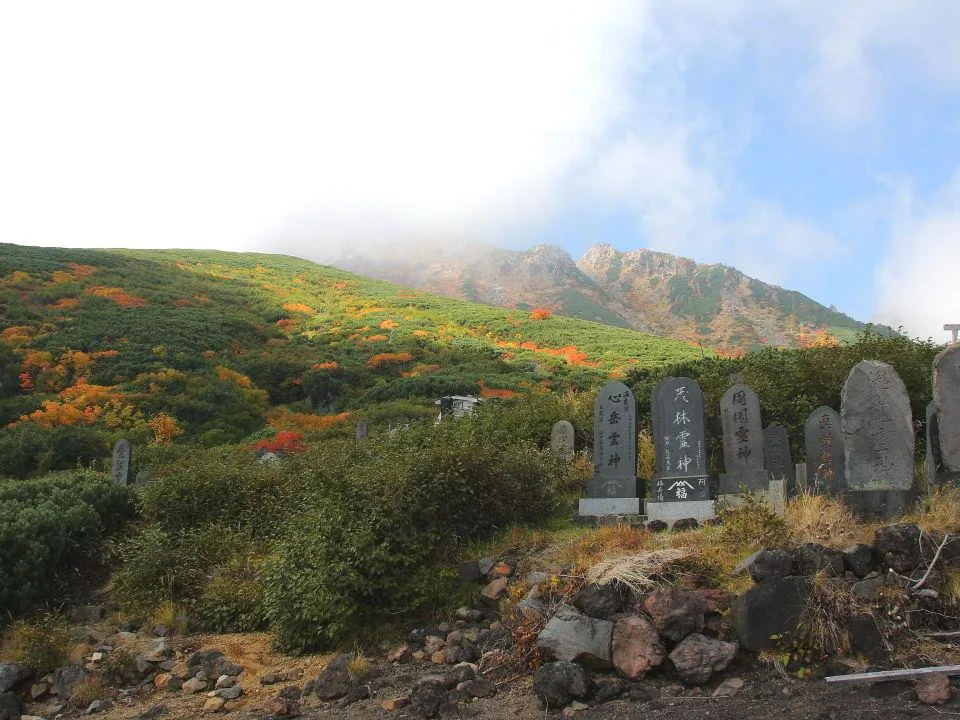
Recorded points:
(120, 469)
(142, 478)
(946, 394)
(561, 440)
(934, 457)
(613, 488)
(776, 455)
(826, 469)
(953, 329)
(680, 487)
(878, 438)
(777, 495)
(361, 431)
(742, 441)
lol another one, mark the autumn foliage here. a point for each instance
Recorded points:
(381, 359)
(284, 419)
(284, 441)
(118, 295)
(539, 314)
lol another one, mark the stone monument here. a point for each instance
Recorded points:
(561, 440)
(823, 444)
(680, 488)
(878, 439)
(946, 395)
(777, 457)
(362, 431)
(120, 469)
(742, 442)
(613, 488)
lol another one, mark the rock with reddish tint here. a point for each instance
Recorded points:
(162, 681)
(685, 524)
(637, 647)
(599, 601)
(402, 654)
(500, 570)
(214, 704)
(558, 683)
(728, 688)
(394, 704)
(717, 599)
(698, 657)
(494, 591)
(433, 644)
(278, 707)
(193, 686)
(570, 635)
(657, 526)
(933, 689)
(676, 613)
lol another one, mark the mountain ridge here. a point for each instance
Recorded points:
(715, 305)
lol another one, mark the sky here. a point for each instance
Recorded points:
(813, 144)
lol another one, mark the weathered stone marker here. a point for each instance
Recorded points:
(878, 439)
(934, 457)
(826, 469)
(561, 440)
(680, 487)
(120, 469)
(776, 455)
(946, 395)
(362, 431)
(613, 488)
(742, 441)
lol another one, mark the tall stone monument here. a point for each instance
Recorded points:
(823, 445)
(680, 487)
(878, 438)
(613, 488)
(562, 440)
(120, 469)
(742, 442)
(362, 431)
(777, 457)
(946, 395)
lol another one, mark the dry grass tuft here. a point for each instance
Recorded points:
(171, 615)
(42, 646)
(940, 510)
(635, 571)
(824, 520)
(86, 691)
(823, 629)
(359, 668)
(602, 544)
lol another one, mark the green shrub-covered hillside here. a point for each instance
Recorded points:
(212, 347)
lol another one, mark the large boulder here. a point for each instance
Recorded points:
(770, 564)
(599, 601)
(9, 706)
(428, 695)
(903, 548)
(637, 647)
(770, 611)
(557, 683)
(67, 678)
(570, 635)
(334, 680)
(675, 612)
(697, 657)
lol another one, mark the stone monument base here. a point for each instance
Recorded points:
(735, 483)
(879, 504)
(669, 511)
(600, 487)
(775, 495)
(595, 507)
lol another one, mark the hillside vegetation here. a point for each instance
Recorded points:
(213, 347)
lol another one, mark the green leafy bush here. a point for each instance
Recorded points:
(50, 525)
(369, 538)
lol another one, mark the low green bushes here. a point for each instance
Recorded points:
(326, 545)
(48, 526)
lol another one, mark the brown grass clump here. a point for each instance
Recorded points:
(822, 631)
(42, 646)
(170, 615)
(359, 668)
(602, 544)
(752, 524)
(86, 691)
(825, 520)
(637, 572)
(940, 510)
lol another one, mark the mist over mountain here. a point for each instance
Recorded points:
(716, 305)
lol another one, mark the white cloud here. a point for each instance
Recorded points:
(917, 283)
(224, 124)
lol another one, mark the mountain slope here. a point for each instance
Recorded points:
(222, 343)
(670, 296)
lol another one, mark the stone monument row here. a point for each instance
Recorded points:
(742, 427)
(823, 445)
(562, 440)
(613, 488)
